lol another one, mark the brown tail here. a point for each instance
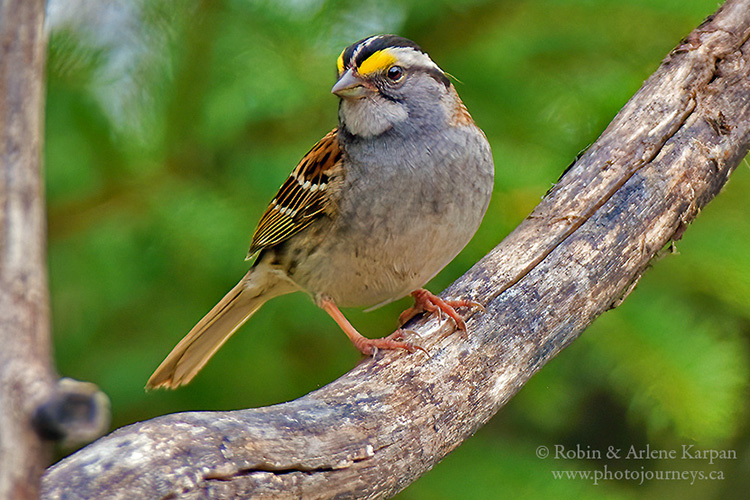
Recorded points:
(202, 342)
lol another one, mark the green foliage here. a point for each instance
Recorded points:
(169, 132)
(695, 391)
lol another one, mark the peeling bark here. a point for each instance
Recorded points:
(375, 430)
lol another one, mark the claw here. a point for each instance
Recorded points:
(399, 335)
(425, 301)
(371, 346)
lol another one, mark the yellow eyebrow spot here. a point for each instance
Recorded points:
(340, 62)
(378, 61)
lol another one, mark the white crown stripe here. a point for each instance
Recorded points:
(411, 57)
(364, 44)
(406, 56)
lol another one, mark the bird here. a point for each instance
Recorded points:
(371, 213)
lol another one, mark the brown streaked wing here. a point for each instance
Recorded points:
(301, 199)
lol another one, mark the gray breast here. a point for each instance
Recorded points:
(408, 207)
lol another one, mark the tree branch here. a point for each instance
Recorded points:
(34, 406)
(379, 427)
(26, 376)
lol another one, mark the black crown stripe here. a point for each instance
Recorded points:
(379, 43)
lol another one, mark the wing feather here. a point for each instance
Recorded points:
(302, 198)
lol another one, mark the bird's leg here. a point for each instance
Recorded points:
(366, 346)
(426, 301)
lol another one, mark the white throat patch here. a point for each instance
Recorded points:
(371, 116)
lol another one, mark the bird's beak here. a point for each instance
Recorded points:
(351, 86)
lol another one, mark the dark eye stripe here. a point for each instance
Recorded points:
(438, 75)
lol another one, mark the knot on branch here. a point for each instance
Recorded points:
(76, 413)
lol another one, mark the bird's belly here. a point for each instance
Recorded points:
(384, 260)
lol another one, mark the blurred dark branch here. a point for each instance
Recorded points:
(378, 428)
(35, 408)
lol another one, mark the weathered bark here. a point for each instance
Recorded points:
(376, 429)
(35, 407)
(26, 376)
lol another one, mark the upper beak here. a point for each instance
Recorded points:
(351, 86)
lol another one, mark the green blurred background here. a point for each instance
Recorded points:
(171, 124)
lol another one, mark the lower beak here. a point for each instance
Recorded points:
(350, 86)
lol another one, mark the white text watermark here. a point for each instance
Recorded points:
(632, 456)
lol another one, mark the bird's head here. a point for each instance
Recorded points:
(382, 80)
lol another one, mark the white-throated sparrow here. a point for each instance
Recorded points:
(372, 212)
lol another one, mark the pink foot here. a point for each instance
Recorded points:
(393, 341)
(366, 346)
(426, 301)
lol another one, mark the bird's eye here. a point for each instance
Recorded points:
(395, 73)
